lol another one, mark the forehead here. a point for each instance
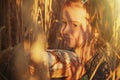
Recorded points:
(74, 13)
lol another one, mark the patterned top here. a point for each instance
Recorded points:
(63, 63)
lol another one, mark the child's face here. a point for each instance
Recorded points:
(75, 27)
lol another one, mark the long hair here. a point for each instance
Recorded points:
(90, 38)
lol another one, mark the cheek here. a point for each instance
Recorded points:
(78, 37)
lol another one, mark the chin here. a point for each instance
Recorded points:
(70, 45)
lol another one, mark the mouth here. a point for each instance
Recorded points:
(66, 38)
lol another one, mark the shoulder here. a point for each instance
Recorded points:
(60, 61)
(64, 56)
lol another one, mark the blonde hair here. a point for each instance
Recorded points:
(91, 38)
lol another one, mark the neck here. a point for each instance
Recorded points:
(84, 53)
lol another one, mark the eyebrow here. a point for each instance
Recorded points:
(77, 21)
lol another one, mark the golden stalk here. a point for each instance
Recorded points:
(96, 68)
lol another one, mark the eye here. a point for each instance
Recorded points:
(75, 25)
(64, 23)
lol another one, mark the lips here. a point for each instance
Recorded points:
(66, 38)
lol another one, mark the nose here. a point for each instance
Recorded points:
(65, 29)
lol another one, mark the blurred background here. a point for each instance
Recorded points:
(16, 16)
